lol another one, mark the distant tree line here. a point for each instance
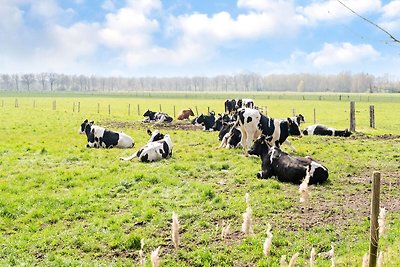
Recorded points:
(341, 82)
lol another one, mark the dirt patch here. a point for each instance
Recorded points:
(362, 136)
(352, 203)
(175, 125)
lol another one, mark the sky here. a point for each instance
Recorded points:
(198, 37)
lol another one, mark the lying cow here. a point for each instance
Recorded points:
(253, 123)
(154, 150)
(101, 137)
(206, 120)
(184, 114)
(156, 116)
(229, 135)
(222, 118)
(318, 129)
(286, 168)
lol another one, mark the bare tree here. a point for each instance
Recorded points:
(42, 77)
(28, 79)
(6, 81)
(52, 80)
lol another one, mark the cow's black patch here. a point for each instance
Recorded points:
(110, 138)
(249, 119)
(144, 158)
(165, 153)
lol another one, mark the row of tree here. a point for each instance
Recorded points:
(342, 82)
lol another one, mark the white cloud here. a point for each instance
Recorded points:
(341, 54)
(332, 10)
(390, 19)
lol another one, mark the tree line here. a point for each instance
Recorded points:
(341, 82)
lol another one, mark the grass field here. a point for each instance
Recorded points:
(65, 205)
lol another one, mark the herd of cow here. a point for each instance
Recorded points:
(242, 125)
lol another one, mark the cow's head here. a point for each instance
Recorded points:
(154, 136)
(239, 103)
(200, 119)
(190, 112)
(149, 113)
(92, 140)
(260, 146)
(294, 128)
(83, 126)
(300, 119)
(226, 127)
(346, 133)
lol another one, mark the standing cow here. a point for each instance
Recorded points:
(101, 137)
(253, 123)
(286, 168)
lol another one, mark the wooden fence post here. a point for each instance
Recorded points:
(98, 107)
(160, 108)
(374, 239)
(16, 103)
(352, 116)
(208, 110)
(315, 117)
(129, 109)
(34, 103)
(372, 116)
(73, 107)
(109, 109)
(138, 109)
(79, 107)
(294, 112)
(174, 112)
(197, 112)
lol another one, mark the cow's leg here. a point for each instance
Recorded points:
(243, 140)
(287, 142)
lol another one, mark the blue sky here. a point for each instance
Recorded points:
(190, 38)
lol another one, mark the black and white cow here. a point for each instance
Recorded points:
(318, 129)
(298, 118)
(286, 168)
(154, 136)
(154, 150)
(153, 116)
(206, 120)
(229, 135)
(253, 123)
(220, 120)
(230, 106)
(101, 137)
(245, 103)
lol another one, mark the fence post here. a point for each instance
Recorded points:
(352, 116)
(372, 116)
(294, 112)
(160, 108)
(79, 107)
(129, 109)
(374, 239)
(208, 110)
(315, 117)
(109, 109)
(98, 107)
(73, 107)
(16, 103)
(174, 112)
(197, 112)
(138, 109)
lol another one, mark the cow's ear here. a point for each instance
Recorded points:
(219, 114)
(148, 131)
(86, 121)
(289, 120)
(92, 122)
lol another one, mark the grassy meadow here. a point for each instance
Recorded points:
(63, 204)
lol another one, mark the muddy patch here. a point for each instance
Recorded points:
(175, 125)
(362, 136)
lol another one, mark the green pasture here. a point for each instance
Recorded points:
(62, 204)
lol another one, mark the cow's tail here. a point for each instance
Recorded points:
(134, 155)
